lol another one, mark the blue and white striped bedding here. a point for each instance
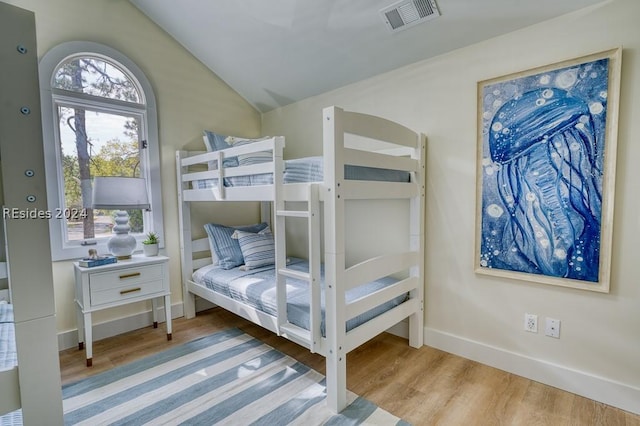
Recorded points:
(309, 169)
(257, 288)
(8, 354)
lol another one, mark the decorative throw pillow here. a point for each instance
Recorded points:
(216, 142)
(225, 248)
(258, 248)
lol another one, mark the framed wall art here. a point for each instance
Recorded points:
(545, 172)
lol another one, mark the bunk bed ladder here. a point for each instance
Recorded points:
(310, 338)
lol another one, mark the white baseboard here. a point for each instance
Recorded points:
(601, 389)
(69, 339)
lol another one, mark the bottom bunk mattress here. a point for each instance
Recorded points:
(257, 288)
(8, 354)
(309, 169)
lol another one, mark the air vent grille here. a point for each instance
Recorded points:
(407, 13)
(425, 8)
(394, 19)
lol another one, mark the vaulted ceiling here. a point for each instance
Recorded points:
(281, 51)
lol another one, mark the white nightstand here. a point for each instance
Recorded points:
(117, 284)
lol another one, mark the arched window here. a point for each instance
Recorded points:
(99, 119)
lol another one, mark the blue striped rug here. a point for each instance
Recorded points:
(226, 378)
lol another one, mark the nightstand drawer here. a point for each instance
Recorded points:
(124, 277)
(125, 291)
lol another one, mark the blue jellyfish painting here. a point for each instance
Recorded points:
(543, 149)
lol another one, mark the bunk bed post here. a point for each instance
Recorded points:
(334, 227)
(265, 212)
(186, 254)
(280, 233)
(416, 320)
(313, 231)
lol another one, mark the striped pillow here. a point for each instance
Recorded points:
(224, 247)
(258, 248)
(216, 142)
(254, 157)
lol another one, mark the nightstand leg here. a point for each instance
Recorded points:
(80, 322)
(88, 338)
(167, 312)
(154, 311)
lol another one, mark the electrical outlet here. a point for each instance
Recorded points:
(531, 323)
(552, 328)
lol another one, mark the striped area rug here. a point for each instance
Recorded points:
(228, 378)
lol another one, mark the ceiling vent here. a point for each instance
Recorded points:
(407, 13)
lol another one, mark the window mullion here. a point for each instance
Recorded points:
(67, 96)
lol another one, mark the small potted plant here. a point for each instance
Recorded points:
(150, 244)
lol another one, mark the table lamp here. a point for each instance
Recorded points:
(120, 193)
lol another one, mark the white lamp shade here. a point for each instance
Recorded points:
(119, 193)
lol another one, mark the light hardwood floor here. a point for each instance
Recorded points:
(423, 386)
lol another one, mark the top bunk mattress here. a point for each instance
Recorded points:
(257, 288)
(310, 169)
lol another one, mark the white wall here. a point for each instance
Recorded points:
(189, 98)
(481, 317)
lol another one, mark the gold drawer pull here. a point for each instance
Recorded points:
(134, 274)
(131, 290)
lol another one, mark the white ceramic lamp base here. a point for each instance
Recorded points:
(122, 244)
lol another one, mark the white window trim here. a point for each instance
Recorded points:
(60, 249)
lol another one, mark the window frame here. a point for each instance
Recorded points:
(52, 97)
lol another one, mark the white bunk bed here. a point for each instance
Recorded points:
(328, 333)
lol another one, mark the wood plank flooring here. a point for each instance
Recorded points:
(423, 386)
